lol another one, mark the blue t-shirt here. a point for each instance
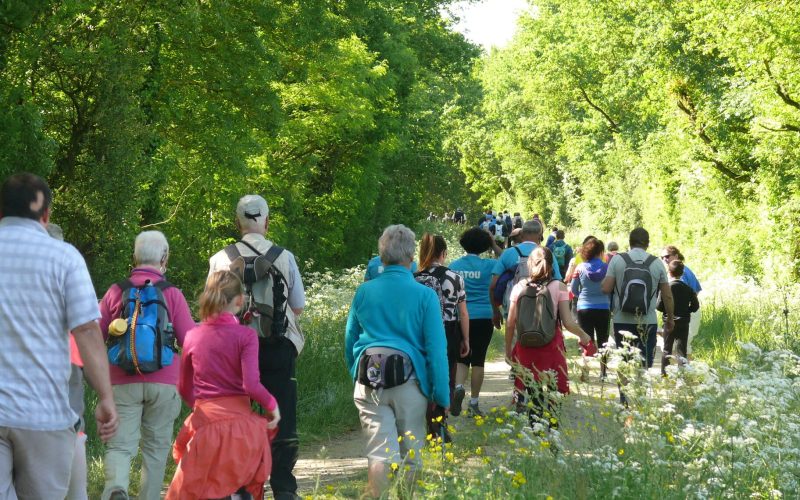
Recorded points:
(690, 279)
(375, 268)
(510, 258)
(477, 274)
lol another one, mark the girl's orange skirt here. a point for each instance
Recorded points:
(221, 447)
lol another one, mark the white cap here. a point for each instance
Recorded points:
(252, 207)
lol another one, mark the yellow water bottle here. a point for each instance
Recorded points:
(117, 327)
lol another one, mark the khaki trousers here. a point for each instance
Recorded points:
(147, 412)
(35, 464)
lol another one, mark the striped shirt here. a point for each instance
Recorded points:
(45, 292)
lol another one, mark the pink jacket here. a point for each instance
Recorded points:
(220, 359)
(179, 313)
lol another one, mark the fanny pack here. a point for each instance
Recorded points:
(384, 371)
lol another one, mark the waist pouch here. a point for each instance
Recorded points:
(383, 371)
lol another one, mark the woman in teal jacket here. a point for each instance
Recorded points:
(396, 352)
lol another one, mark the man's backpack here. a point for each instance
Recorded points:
(504, 281)
(560, 254)
(536, 316)
(148, 343)
(519, 273)
(265, 290)
(636, 291)
(434, 279)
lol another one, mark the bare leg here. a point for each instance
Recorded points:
(461, 373)
(378, 480)
(477, 380)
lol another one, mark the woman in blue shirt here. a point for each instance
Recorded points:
(477, 274)
(594, 314)
(396, 352)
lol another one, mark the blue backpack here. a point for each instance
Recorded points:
(148, 343)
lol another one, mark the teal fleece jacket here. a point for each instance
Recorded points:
(395, 311)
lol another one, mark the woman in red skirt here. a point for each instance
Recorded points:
(547, 364)
(223, 447)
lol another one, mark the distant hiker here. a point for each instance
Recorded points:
(613, 249)
(459, 217)
(686, 303)
(509, 223)
(562, 252)
(146, 396)
(573, 264)
(533, 337)
(477, 274)
(432, 217)
(45, 293)
(592, 303)
(517, 221)
(396, 353)
(219, 376)
(449, 287)
(669, 255)
(634, 278)
(275, 299)
(375, 267)
(551, 237)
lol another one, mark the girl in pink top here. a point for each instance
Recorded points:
(550, 357)
(219, 377)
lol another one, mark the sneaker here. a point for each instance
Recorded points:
(458, 398)
(474, 410)
(118, 495)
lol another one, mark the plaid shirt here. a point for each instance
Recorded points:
(45, 292)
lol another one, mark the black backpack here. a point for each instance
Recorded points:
(636, 291)
(434, 280)
(536, 318)
(265, 290)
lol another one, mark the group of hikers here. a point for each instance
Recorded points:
(411, 348)
(142, 352)
(414, 336)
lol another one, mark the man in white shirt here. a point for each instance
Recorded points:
(45, 293)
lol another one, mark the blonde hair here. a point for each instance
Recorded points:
(540, 264)
(221, 288)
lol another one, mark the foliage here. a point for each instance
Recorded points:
(162, 114)
(679, 116)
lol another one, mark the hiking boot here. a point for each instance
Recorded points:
(474, 410)
(458, 398)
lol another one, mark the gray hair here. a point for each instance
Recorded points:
(151, 248)
(532, 227)
(396, 245)
(612, 246)
(55, 231)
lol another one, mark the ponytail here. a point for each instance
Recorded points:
(431, 247)
(221, 288)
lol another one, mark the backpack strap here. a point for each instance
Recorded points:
(626, 258)
(516, 247)
(272, 254)
(232, 252)
(439, 272)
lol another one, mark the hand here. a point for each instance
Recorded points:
(509, 355)
(107, 420)
(669, 325)
(273, 417)
(588, 349)
(497, 320)
(464, 351)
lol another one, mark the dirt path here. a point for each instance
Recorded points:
(341, 460)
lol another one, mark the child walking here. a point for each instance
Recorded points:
(685, 299)
(223, 448)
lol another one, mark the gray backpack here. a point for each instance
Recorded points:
(265, 290)
(536, 317)
(636, 291)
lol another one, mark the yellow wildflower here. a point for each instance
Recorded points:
(449, 456)
(479, 451)
(394, 466)
(621, 452)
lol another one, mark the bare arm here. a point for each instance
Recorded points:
(464, 323)
(608, 284)
(298, 311)
(511, 325)
(95, 367)
(497, 250)
(669, 305)
(569, 322)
